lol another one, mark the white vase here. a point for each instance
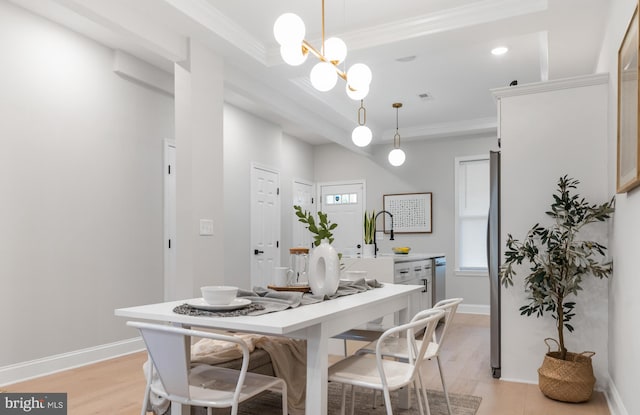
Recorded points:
(324, 269)
(368, 251)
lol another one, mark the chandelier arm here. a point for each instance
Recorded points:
(322, 48)
(320, 56)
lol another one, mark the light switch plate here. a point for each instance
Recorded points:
(206, 227)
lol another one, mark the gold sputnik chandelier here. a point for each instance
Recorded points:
(289, 31)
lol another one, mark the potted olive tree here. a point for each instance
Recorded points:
(558, 262)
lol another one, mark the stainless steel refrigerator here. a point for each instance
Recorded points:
(493, 259)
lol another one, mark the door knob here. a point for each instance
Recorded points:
(256, 252)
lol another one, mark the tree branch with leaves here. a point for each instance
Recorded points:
(322, 229)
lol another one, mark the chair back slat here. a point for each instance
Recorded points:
(427, 322)
(449, 306)
(168, 352)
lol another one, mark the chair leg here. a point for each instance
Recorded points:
(209, 411)
(353, 399)
(387, 401)
(344, 399)
(444, 386)
(418, 398)
(285, 401)
(423, 390)
(147, 390)
(375, 397)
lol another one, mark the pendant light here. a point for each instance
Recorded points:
(396, 156)
(361, 135)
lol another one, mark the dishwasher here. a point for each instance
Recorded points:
(415, 273)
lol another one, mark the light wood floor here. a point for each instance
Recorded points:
(116, 386)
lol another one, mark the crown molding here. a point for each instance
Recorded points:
(459, 128)
(212, 19)
(455, 18)
(548, 86)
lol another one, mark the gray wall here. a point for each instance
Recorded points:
(81, 185)
(429, 168)
(248, 139)
(624, 308)
(545, 135)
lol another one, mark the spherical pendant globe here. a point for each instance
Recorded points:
(359, 76)
(361, 136)
(396, 157)
(335, 50)
(323, 76)
(289, 29)
(292, 54)
(356, 94)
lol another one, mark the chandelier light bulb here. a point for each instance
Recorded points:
(356, 94)
(335, 50)
(323, 76)
(292, 54)
(361, 136)
(396, 157)
(359, 76)
(289, 29)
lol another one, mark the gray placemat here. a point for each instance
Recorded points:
(194, 311)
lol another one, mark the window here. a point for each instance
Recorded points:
(472, 208)
(345, 199)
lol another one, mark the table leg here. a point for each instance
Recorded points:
(317, 368)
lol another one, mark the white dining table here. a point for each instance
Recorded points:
(316, 323)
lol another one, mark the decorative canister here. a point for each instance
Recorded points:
(299, 264)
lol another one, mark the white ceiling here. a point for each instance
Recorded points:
(450, 39)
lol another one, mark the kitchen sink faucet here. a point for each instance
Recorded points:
(375, 244)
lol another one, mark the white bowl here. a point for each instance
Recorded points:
(355, 275)
(218, 294)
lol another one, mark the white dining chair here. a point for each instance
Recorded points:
(203, 385)
(384, 374)
(395, 347)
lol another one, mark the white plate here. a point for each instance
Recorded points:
(236, 303)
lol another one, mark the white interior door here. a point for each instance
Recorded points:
(303, 197)
(344, 205)
(169, 220)
(265, 224)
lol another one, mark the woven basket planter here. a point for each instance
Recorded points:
(568, 380)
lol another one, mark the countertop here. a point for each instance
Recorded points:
(410, 257)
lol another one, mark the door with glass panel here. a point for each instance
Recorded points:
(344, 204)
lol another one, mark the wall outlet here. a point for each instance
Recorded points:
(206, 227)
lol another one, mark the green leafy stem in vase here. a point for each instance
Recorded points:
(369, 226)
(322, 229)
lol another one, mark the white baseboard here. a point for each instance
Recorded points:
(616, 407)
(473, 309)
(23, 371)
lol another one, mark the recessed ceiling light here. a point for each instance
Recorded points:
(500, 50)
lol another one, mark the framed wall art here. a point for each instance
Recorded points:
(411, 212)
(627, 175)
